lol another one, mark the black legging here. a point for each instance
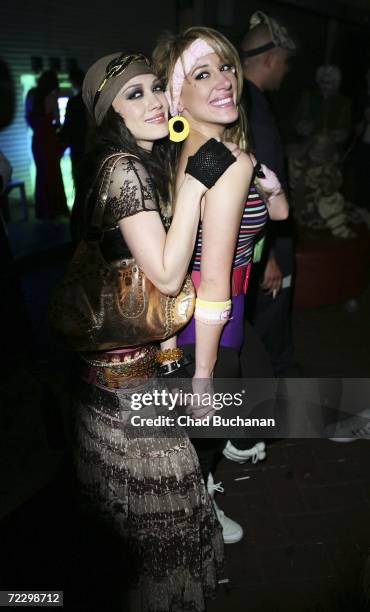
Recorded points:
(227, 366)
(253, 362)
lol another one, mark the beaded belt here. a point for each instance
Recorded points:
(117, 370)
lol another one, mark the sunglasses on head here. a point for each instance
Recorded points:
(116, 67)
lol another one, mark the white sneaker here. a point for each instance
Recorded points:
(353, 427)
(232, 532)
(257, 452)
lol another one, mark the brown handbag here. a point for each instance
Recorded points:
(102, 305)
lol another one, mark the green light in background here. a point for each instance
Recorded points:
(27, 82)
(69, 188)
(65, 162)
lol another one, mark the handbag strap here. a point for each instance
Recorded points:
(104, 172)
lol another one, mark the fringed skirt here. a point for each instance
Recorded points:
(147, 483)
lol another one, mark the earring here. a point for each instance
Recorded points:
(179, 128)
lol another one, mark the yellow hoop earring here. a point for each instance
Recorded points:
(179, 128)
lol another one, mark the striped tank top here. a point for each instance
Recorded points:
(253, 220)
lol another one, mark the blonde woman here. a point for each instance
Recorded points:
(204, 84)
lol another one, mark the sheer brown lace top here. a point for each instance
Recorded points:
(131, 191)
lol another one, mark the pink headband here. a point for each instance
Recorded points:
(184, 64)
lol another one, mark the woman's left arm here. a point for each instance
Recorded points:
(278, 207)
(277, 204)
(221, 223)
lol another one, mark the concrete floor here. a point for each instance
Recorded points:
(306, 512)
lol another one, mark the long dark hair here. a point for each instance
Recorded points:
(112, 136)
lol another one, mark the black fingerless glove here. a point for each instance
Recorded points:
(209, 162)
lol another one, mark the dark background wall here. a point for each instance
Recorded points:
(334, 30)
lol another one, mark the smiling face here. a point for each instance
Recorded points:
(209, 93)
(142, 105)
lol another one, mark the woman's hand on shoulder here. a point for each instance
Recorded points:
(210, 162)
(233, 148)
(238, 173)
(245, 160)
(232, 187)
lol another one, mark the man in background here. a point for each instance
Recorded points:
(265, 51)
(74, 130)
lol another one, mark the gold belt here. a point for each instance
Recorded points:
(114, 370)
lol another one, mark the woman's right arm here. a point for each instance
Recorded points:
(131, 203)
(165, 258)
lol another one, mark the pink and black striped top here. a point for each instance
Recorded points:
(254, 218)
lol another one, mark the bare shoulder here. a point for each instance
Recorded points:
(241, 170)
(244, 162)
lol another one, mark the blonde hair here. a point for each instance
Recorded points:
(171, 47)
